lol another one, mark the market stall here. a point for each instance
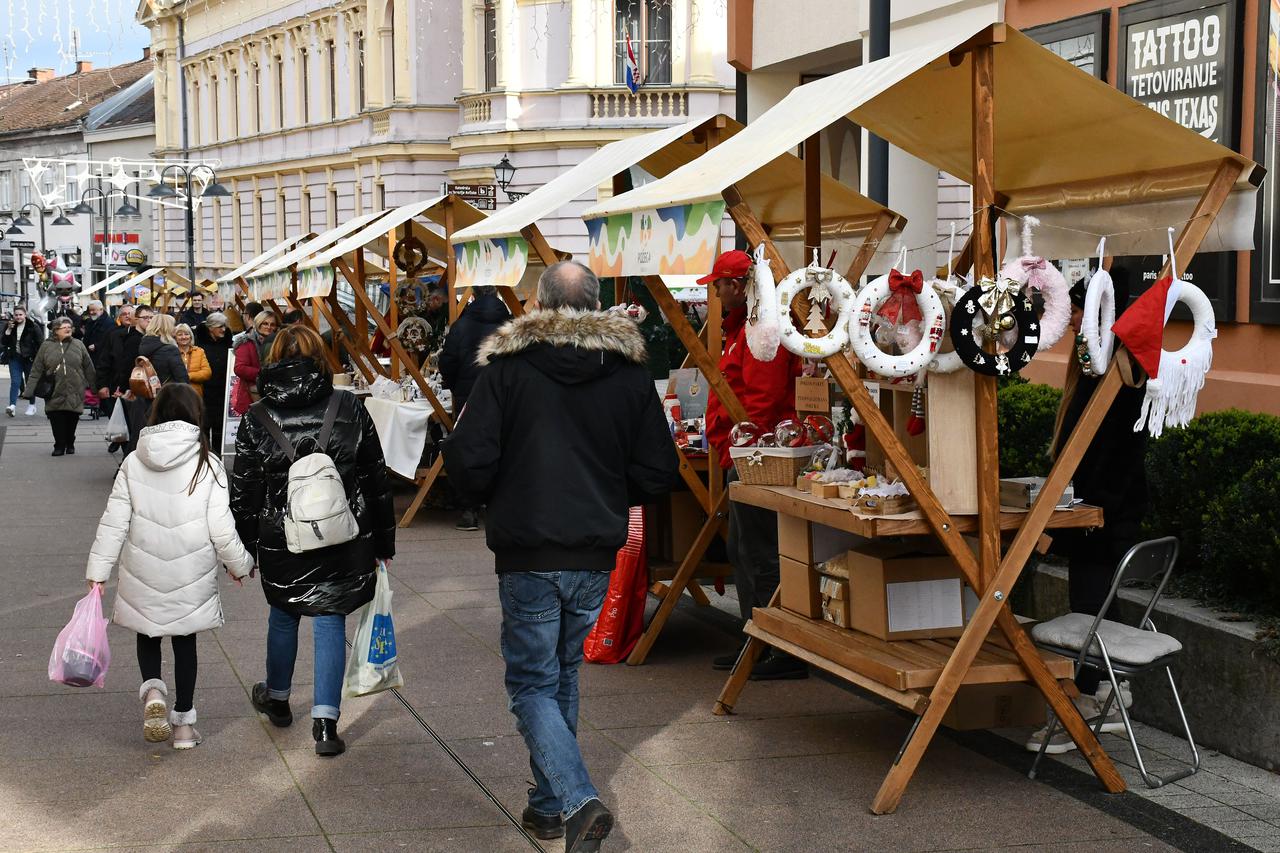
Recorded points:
(972, 105)
(496, 250)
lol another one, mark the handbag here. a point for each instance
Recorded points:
(373, 667)
(44, 388)
(143, 381)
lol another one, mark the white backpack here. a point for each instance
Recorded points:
(316, 513)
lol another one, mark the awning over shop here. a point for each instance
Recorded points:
(135, 280)
(106, 282)
(272, 279)
(1071, 149)
(253, 263)
(378, 228)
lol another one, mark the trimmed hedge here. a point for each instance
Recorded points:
(1215, 485)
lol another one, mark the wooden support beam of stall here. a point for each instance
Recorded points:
(742, 667)
(342, 328)
(424, 481)
(335, 364)
(388, 333)
(361, 276)
(361, 355)
(393, 311)
(513, 302)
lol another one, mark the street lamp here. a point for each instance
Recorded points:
(126, 209)
(503, 173)
(25, 222)
(212, 189)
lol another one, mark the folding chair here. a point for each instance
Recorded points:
(1123, 650)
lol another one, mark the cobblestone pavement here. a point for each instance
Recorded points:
(440, 766)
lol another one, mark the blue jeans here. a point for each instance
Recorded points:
(331, 659)
(546, 616)
(19, 370)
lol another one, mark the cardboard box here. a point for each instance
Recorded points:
(798, 584)
(896, 592)
(812, 543)
(813, 395)
(995, 706)
(824, 490)
(1021, 492)
(834, 594)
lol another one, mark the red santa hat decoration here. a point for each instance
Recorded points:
(1175, 378)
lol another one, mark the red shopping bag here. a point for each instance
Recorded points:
(621, 620)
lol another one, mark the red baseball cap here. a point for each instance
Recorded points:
(731, 264)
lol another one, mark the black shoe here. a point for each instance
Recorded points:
(328, 743)
(71, 450)
(544, 827)
(587, 828)
(277, 710)
(723, 663)
(114, 446)
(58, 451)
(779, 666)
(470, 521)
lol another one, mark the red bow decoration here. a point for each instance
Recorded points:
(901, 305)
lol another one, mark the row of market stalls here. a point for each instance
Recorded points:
(974, 105)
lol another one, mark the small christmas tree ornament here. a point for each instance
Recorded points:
(915, 423)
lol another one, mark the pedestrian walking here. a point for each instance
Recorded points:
(563, 432)
(481, 318)
(97, 327)
(193, 358)
(766, 390)
(160, 348)
(63, 365)
(22, 338)
(250, 349)
(299, 406)
(215, 339)
(117, 363)
(1111, 475)
(168, 526)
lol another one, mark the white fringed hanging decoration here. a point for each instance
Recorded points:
(764, 335)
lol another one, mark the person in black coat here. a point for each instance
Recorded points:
(215, 339)
(328, 583)
(458, 367)
(22, 338)
(562, 433)
(96, 328)
(158, 347)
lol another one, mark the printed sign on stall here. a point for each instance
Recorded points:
(678, 240)
(500, 261)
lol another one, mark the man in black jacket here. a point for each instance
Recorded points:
(197, 313)
(563, 432)
(458, 365)
(215, 339)
(118, 358)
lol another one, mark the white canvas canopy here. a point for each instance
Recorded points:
(135, 280)
(253, 263)
(1069, 148)
(106, 282)
(378, 228)
(320, 242)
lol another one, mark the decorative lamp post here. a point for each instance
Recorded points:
(212, 189)
(503, 172)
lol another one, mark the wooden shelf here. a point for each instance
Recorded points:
(835, 512)
(902, 666)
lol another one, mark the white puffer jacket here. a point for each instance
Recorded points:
(170, 544)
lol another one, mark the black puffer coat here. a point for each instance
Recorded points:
(165, 358)
(329, 580)
(477, 322)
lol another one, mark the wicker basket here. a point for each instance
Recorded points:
(770, 466)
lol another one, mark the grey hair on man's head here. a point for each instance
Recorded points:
(217, 318)
(94, 304)
(568, 284)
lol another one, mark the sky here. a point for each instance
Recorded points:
(39, 33)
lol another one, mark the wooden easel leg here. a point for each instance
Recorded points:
(741, 672)
(683, 576)
(424, 486)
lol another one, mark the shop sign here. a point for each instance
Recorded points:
(21, 244)
(1178, 58)
(479, 196)
(135, 257)
(678, 240)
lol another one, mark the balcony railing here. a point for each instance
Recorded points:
(477, 109)
(647, 103)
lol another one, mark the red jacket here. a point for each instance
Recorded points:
(766, 389)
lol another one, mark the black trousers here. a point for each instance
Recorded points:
(63, 425)
(184, 666)
(753, 551)
(213, 413)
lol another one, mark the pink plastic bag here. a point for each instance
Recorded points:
(81, 654)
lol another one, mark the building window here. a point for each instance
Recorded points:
(332, 221)
(331, 69)
(278, 68)
(195, 112)
(6, 191)
(1081, 41)
(236, 225)
(256, 92)
(235, 103)
(649, 24)
(490, 45)
(257, 224)
(379, 196)
(388, 36)
(304, 83)
(360, 93)
(306, 211)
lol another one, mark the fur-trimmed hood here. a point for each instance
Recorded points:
(593, 331)
(570, 347)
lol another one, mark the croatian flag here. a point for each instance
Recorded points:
(633, 68)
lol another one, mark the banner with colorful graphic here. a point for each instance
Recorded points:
(680, 240)
(271, 286)
(499, 262)
(315, 281)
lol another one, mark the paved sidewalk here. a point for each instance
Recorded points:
(794, 770)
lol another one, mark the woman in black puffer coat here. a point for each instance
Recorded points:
(324, 584)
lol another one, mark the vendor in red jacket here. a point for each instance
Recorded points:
(766, 390)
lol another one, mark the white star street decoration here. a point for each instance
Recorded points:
(120, 180)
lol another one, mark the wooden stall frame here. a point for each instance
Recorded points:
(989, 574)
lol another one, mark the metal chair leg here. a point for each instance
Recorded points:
(1050, 725)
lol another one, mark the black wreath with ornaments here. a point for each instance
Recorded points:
(1005, 307)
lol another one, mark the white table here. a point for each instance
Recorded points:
(402, 430)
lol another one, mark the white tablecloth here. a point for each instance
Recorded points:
(402, 429)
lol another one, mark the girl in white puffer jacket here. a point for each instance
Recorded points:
(168, 523)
